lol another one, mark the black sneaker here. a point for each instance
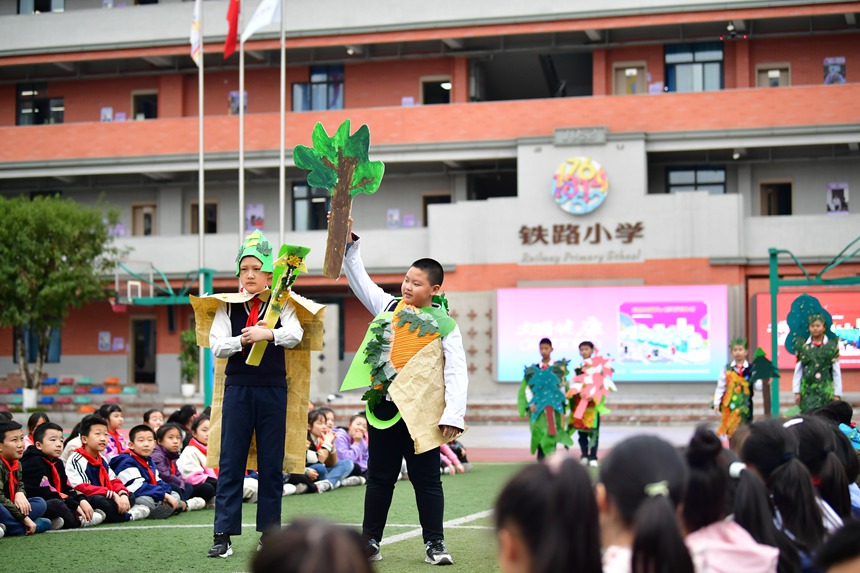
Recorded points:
(373, 552)
(221, 547)
(437, 554)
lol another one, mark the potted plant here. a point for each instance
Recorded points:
(189, 362)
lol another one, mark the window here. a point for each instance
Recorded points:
(310, 206)
(773, 75)
(694, 67)
(144, 105)
(40, 6)
(435, 90)
(427, 200)
(710, 179)
(210, 218)
(143, 220)
(35, 107)
(629, 79)
(324, 91)
(775, 198)
(31, 346)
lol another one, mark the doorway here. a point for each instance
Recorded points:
(142, 359)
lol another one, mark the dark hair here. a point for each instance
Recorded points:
(9, 426)
(816, 449)
(6, 415)
(432, 269)
(566, 537)
(354, 417)
(149, 413)
(843, 546)
(704, 502)
(138, 429)
(87, 424)
(586, 343)
(846, 454)
(198, 422)
(313, 415)
(843, 411)
(312, 546)
(772, 451)
(545, 341)
(823, 413)
(33, 421)
(39, 432)
(183, 415)
(107, 409)
(76, 430)
(325, 411)
(645, 479)
(162, 431)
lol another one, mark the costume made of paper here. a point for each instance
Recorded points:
(588, 392)
(411, 356)
(544, 387)
(817, 375)
(734, 394)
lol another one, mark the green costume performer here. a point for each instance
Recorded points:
(817, 375)
(546, 386)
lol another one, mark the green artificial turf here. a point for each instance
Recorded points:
(180, 543)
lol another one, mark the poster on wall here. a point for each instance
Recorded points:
(104, 341)
(653, 334)
(233, 102)
(834, 70)
(837, 198)
(844, 308)
(392, 219)
(254, 217)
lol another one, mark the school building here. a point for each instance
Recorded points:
(528, 145)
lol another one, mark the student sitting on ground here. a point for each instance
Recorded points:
(117, 443)
(192, 461)
(89, 473)
(322, 457)
(154, 418)
(165, 456)
(18, 515)
(34, 421)
(45, 477)
(351, 444)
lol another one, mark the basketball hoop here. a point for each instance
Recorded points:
(117, 307)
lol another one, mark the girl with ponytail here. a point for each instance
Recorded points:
(641, 484)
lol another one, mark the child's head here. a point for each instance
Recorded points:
(94, 434)
(358, 422)
(153, 418)
(35, 420)
(642, 482)
(817, 325)
(329, 416)
(841, 553)
(141, 440)
(546, 520)
(704, 502)
(184, 416)
(11, 440)
(200, 430)
(545, 347)
(312, 546)
(586, 349)
(423, 280)
(738, 348)
(6, 415)
(170, 437)
(843, 411)
(317, 425)
(254, 263)
(48, 438)
(112, 414)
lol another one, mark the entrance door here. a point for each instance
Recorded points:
(142, 357)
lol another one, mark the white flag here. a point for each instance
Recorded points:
(266, 13)
(196, 44)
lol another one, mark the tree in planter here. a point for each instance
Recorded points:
(341, 165)
(54, 255)
(189, 357)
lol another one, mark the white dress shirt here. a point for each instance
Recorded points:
(224, 344)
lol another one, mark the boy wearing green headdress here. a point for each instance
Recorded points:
(817, 376)
(733, 398)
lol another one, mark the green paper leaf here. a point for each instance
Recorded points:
(358, 143)
(367, 177)
(309, 159)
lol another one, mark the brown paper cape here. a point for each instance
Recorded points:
(298, 364)
(419, 392)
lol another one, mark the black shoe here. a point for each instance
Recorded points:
(221, 547)
(437, 554)
(373, 552)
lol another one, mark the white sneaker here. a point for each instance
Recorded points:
(323, 486)
(593, 463)
(289, 489)
(2, 530)
(583, 461)
(57, 523)
(138, 512)
(352, 481)
(195, 503)
(98, 517)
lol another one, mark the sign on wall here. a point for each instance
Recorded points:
(579, 185)
(654, 334)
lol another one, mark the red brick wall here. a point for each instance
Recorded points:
(377, 84)
(806, 56)
(84, 100)
(651, 55)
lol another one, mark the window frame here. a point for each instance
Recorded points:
(782, 66)
(640, 64)
(133, 108)
(329, 83)
(670, 68)
(193, 220)
(695, 169)
(310, 200)
(434, 79)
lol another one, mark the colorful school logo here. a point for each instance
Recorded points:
(579, 185)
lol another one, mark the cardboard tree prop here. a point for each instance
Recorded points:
(341, 165)
(592, 385)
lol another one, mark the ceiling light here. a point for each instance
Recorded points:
(445, 86)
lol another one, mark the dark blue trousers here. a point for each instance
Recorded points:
(249, 409)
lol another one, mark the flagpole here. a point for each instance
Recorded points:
(282, 157)
(201, 191)
(241, 131)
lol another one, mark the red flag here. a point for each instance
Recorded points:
(233, 33)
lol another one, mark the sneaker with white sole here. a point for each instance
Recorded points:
(437, 553)
(221, 546)
(373, 552)
(323, 486)
(592, 463)
(301, 488)
(57, 523)
(352, 481)
(43, 524)
(138, 512)
(289, 489)
(98, 517)
(2, 530)
(195, 503)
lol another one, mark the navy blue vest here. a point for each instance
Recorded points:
(270, 372)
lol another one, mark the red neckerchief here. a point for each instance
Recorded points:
(118, 439)
(144, 463)
(104, 476)
(13, 479)
(58, 486)
(172, 467)
(254, 313)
